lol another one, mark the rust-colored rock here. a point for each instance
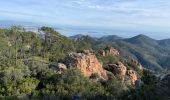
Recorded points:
(118, 70)
(109, 51)
(87, 63)
(121, 72)
(132, 76)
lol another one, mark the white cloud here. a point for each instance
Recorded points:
(103, 13)
(146, 8)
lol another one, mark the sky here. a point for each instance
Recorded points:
(120, 17)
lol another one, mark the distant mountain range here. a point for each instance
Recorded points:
(152, 54)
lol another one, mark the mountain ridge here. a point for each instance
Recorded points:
(153, 54)
(120, 38)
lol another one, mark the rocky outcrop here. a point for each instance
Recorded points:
(132, 76)
(133, 63)
(87, 63)
(109, 51)
(59, 67)
(121, 72)
(102, 53)
(136, 63)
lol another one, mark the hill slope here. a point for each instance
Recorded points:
(152, 54)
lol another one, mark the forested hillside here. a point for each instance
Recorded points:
(152, 54)
(49, 66)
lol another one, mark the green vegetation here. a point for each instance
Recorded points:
(147, 91)
(72, 83)
(25, 58)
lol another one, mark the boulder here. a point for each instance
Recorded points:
(109, 51)
(132, 76)
(61, 66)
(87, 63)
(121, 72)
(118, 70)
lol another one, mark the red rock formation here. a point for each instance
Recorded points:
(109, 51)
(112, 52)
(132, 76)
(118, 70)
(87, 63)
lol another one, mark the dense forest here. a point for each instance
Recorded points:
(26, 70)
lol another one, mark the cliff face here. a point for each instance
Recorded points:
(87, 63)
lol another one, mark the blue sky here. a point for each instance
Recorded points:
(139, 16)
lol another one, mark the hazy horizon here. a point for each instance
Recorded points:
(94, 32)
(125, 18)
